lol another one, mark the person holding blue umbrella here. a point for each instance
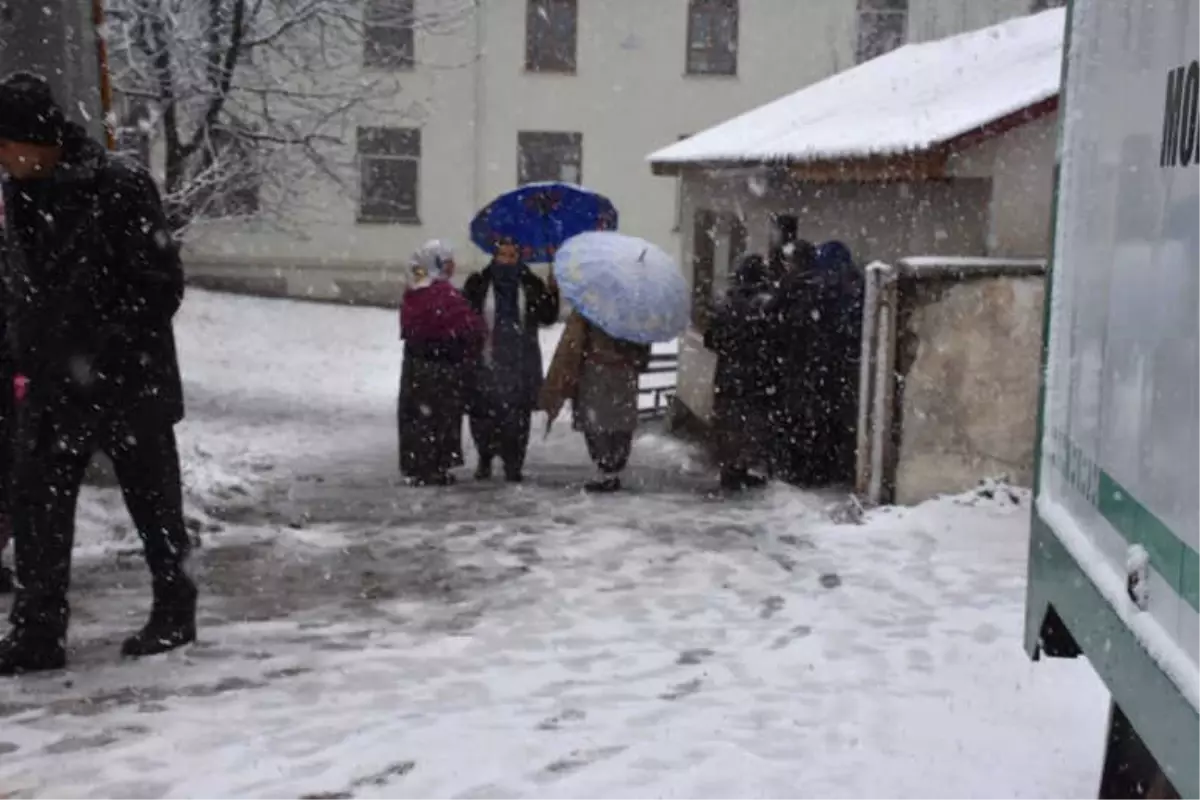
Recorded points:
(514, 303)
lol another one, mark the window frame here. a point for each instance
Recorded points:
(866, 38)
(569, 141)
(365, 133)
(712, 9)
(541, 59)
(378, 49)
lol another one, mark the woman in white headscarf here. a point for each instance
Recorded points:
(443, 337)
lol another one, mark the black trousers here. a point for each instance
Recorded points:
(609, 449)
(502, 429)
(51, 456)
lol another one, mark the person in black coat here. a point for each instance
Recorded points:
(842, 310)
(514, 303)
(739, 333)
(93, 280)
(797, 338)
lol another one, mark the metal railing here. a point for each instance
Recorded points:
(660, 364)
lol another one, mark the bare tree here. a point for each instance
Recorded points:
(240, 101)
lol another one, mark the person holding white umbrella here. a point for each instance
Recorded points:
(598, 373)
(626, 293)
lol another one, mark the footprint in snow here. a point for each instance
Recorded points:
(555, 723)
(694, 656)
(682, 690)
(577, 761)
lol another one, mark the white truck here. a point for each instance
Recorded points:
(1113, 569)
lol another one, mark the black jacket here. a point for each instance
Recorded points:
(541, 304)
(91, 282)
(512, 374)
(740, 333)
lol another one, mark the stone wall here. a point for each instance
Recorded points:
(968, 359)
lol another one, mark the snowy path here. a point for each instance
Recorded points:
(364, 639)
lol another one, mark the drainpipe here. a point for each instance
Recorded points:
(884, 298)
(106, 105)
(480, 102)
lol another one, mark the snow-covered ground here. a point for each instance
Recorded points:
(365, 639)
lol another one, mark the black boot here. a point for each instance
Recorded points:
(484, 471)
(172, 621)
(436, 479)
(737, 480)
(23, 650)
(605, 484)
(513, 474)
(6, 580)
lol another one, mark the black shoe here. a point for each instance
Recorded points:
(172, 621)
(513, 476)
(738, 481)
(442, 479)
(484, 471)
(6, 580)
(605, 485)
(22, 652)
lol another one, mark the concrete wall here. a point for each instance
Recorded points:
(1021, 166)
(937, 19)
(968, 363)
(884, 221)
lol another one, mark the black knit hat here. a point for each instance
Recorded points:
(28, 110)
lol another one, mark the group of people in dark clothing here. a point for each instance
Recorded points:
(474, 353)
(477, 354)
(788, 339)
(786, 335)
(90, 279)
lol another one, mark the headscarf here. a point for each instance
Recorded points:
(428, 262)
(834, 256)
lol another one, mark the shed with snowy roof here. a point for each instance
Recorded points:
(939, 148)
(943, 150)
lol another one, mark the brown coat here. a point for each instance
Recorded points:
(598, 374)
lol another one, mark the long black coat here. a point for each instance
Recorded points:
(435, 379)
(740, 333)
(525, 363)
(91, 283)
(798, 339)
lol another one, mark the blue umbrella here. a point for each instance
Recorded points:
(539, 217)
(627, 286)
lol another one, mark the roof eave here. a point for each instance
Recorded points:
(927, 162)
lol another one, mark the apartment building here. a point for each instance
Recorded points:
(528, 90)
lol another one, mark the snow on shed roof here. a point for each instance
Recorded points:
(909, 100)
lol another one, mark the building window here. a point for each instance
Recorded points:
(549, 156)
(228, 177)
(712, 37)
(389, 171)
(881, 27)
(388, 34)
(550, 34)
(1045, 5)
